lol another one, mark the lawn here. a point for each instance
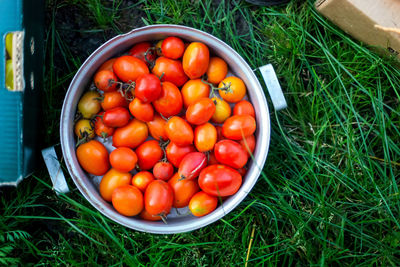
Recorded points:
(329, 192)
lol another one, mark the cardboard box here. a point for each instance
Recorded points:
(375, 22)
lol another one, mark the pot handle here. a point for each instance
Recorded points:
(273, 86)
(54, 168)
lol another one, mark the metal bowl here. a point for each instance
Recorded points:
(182, 221)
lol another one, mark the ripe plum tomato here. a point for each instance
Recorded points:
(237, 89)
(193, 90)
(170, 101)
(111, 180)
(112, 100)
(200, 111)
(239, 126)
(93, 157)
(183, 190)
(244, 107)
(158, 198)
(163, 170)
(128, 68)
(195, 60)
(89, 104)
(107, 65)
(230, 153)
(217, 70)
(105, 80)
(131, 135)
(142, 179)
(84, 129)
(205, 137)
(172, 47)
(139, 50)
(249, 144)
(202, 204)
(171, 71)
(148, 88)
(179, 131)
(116, 117)
(141, 111)
(127, 200)
(156, 128)
(222, 110)
(123, 159)
(100, 128)
(220, 180)
(176, 153)
(149, 153)
(148, 217)
(191, 165)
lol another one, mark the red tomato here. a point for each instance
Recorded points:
(195, 60)
(237, 89)
(242, 171)
(107, 65)
(171, 71)
(170, 101)
(179, 131)
(149, 153)
(200, 111)
(123, 159)
(176, 153)
(163, 170)
(111, 180)
(116, 117)
(239, 126)
(244, 107)
(129, 68)
(172, 47)
(100, 128)
(105, 80)
(230, 153)
(205, 137)
(127, 200)
(142, 179)
(220, 180)
(248, 144)
(112, 100)
(156, 128)
(183, 190)
(217, 70)
(148, 88)
(148, 217)
(191, 165)
(141, 111)
(193, 90)
(139, 50)
(93, 157)
(131, 135)
(202, 204)
(158, 198)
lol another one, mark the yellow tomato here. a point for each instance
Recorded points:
(236, 89)
(222, 110)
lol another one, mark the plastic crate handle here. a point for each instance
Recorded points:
(273, 86)
(54, 168)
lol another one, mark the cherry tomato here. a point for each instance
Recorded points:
(89, 104)
(156, 128)
(230, 153)
(222, 110)
(116, 117)
(193, 90)
(239, 126)
(176, 153)
(191, 165)
(170, 101)
(105, 80)
(142, 179)
(129, 68)
(149, 153)
(195, 60)
(158, 198)
(200, 111)
(171, 71)
(148, 217)
(244, 107)
(205, 137)
(111, 180)
(107, 65)
(202, 204)
(112, 100)
(127, 200)
(141, 111)
(148, 88)
(100, 128)
(179, 131)
(220, 180)
(84, 129)
(248, 144)
(217, 70)
(131, 135)
(158, 48)
(139, 50)
(93, 157)
(163, 170)
(172, 47)
(123, 159)
(183, 190)
(237, 89)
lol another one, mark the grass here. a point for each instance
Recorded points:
(329, 191)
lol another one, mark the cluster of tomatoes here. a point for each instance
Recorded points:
(182, 130)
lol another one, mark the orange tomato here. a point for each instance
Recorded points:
(149, 153)
(148, 217)
(111, 180)
(176, 153)
(195, 60)
(205, 137)
(217, 70)
(244, 107)
(129, 68)
(170, 101)
(222, 110)
(100, 128)
(158, 198)
(183, 190)
(179, 131)
(112, 100)
(193, 90)
(142, 179)
(156, 127)
(171, 71)
(131, 135)
(123, 159)
(238, 126)
(200, 111)
(93, 157)
(202, 204)
(237, 87)
(105, 80)
(107, 65)
(141, 111)
(127, 200)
